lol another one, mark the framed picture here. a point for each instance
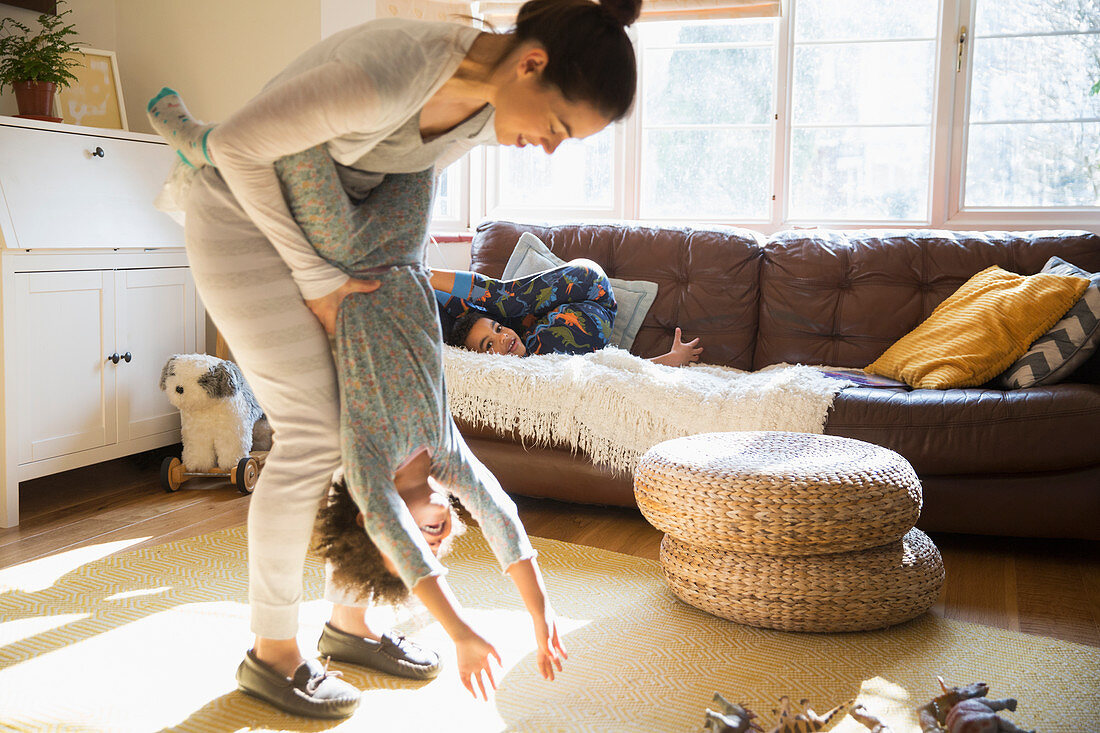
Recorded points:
(95, 98)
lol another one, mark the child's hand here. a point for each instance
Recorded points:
(551, 651)
(685, 353)
(473, 660)
(680, 354)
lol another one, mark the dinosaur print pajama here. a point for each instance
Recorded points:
(569, 309)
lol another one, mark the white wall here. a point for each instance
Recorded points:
(95, 26)
(337, 15)
(216, 53)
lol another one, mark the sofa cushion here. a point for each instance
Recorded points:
(633, 297)
(841, 298)
(976, 431)
(980, 329)
(1066, 346)
(707, 278)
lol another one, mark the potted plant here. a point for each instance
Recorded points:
(36, 65)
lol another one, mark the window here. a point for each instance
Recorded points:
(1034, 128)
(576, 179)
(941, 113)
(861, 110)
(707, 110)
(450, 205)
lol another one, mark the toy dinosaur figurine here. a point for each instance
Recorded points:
(964, 710)
(732, 719)
(807, 721)
(869, 721)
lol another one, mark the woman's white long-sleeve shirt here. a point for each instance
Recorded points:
(348, 92)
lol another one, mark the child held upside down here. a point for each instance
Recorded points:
(396, 428)
(569, 309)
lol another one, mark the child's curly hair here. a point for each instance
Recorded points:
(356, 562)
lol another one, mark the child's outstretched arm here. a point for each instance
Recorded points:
(473, 650)
(525, 574)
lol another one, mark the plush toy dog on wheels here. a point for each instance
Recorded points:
(219, 419)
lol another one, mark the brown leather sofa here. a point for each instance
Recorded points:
(1017, 463)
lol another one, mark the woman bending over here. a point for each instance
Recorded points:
(390, 97)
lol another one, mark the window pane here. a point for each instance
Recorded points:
(870, 19)
(1034, 165)
(1036, 16)
(759, 30)
(706, 173)
(723, 172)
(446, 194)
(694, 86)
(577, 175)
(861, 110)
(1045, 152)
(863, 83)
(1008, 85)
(860, 174)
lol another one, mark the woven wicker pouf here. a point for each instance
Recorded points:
(790, 531)
(777, 493)
(847, 591)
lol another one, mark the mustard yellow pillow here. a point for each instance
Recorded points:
(980, 330)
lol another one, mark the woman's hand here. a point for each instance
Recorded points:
(681, 353)
(551, 651)
(327, 306)
(474, 654)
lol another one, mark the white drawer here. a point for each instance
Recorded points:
(59, 195)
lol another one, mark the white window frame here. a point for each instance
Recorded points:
(974, 217)
(950, 119)
(782, 218)
(463, 186)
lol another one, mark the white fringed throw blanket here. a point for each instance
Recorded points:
(613, 406)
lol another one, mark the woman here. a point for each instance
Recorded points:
(381, 98)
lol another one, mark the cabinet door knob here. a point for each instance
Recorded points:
(98, 152)
(127, 357)
(113, 358)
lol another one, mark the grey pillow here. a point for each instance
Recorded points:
(1056, 354)
(634, 297)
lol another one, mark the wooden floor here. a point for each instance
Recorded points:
(1045, 587)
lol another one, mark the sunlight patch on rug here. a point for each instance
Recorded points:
(150, 640)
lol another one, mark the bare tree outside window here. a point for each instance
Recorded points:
(706, 106)
(1034, 127)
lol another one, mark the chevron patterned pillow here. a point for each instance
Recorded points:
(1057, 354)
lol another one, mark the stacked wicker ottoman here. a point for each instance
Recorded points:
(790, 531)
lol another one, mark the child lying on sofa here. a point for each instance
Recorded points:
(569, 309)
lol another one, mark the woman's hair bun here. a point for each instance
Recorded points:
(624, 11)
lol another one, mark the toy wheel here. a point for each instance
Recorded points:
(245, 474)
(171, 474)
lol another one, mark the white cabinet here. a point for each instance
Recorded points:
(64, 326)
(155, 317)
(95, 296)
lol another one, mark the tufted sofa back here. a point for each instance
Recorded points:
(807, 296)
(841, 298)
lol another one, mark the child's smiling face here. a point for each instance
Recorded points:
(428, 504)
(489, 337)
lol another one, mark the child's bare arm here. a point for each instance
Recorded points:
(473, 650)
(525, 574)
